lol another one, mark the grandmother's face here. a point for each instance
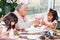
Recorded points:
(24, 11)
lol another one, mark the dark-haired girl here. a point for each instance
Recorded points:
(10, 22)
(52, 18)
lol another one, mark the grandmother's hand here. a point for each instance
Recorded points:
(36, 22)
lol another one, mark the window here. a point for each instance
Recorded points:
(57, 5)
(38, 6)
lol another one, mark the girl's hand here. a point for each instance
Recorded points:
(42, 22)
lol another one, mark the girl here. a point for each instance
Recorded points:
(10, 22)
(51, 23)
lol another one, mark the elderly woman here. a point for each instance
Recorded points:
(21, 12)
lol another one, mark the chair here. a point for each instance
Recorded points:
(58, 26)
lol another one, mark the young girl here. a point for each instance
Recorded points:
(51, 22)
(10, 22)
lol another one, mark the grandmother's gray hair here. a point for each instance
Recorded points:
(21, 6)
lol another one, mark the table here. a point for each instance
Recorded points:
(26, 36)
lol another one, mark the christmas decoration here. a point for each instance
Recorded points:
(7, 6)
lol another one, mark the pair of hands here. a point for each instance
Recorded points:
(37, 22)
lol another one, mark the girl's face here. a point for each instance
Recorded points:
(50, 16)
(12, 23)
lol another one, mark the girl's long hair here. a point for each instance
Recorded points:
(10, 18)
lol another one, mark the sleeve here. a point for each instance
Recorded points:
(2, 24)
(21, 25)
(55, 21)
